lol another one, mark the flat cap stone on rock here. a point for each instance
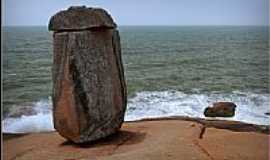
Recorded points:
(81, 18)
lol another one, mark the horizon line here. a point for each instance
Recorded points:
(176, 25)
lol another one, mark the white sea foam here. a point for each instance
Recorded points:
(251, 108)
(40, 122)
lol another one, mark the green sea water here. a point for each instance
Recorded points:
(191, 59)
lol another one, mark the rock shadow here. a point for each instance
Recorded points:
(121, 137)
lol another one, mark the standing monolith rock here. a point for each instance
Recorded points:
(89, 91)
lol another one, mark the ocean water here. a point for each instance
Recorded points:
(170, 70)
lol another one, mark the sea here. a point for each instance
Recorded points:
(169, 70)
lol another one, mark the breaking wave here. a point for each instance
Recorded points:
(251, 108)
(41, 121)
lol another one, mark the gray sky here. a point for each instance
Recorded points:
(145, 12)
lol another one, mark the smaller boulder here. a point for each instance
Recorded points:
(220, 109)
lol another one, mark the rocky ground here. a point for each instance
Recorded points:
(176, 138)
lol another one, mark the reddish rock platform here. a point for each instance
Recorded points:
(160, 139)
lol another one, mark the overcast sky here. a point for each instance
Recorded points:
(145, 12)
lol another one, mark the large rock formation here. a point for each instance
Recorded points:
(89, 91)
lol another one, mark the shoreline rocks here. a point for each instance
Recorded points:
(220, 109)
(89, 90)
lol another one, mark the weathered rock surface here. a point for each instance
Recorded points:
(220, 109)
(81, 18)
(89, 91)
(156, 139)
